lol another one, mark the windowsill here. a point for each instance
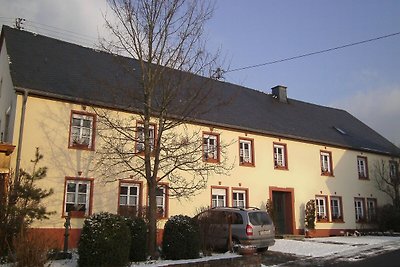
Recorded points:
(282, 168)
(337, 221)
(211, 160)
(246, 164)
(81, 147)
(76, 214)
(323, 221)
(328, 174)
(363, 178)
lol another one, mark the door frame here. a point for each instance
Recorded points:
(290, 223)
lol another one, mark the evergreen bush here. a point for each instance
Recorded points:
(309, 220)
(388, 218)
(181, 238)
(138, 248)
(105, 241)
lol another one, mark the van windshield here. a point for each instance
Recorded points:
(259, 218)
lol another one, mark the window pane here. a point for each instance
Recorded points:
(71, 197)
(87, 123)
(133, 191)
(82, 198)
(133, 201)
(124, 190)
(71, 187)
(82, 188)
(123, 200)
(76, 122)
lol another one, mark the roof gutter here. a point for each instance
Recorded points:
(21, 132)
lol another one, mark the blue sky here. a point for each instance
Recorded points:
(363, 79)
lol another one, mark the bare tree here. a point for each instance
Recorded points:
(165, 38)
(387, 178)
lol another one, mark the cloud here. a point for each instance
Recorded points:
(379, 109)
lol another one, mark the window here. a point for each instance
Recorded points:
(78, 197)
(218, 197)
(336, 209)
(326, 163)
(246, 156)
(320, 206)
(140, 137)
(239, 198)
(161, 199)
(129, 199)
(359, 209)
(393, 169)
(210, 147)
(81, 131)
(371, 209)
(362, 167)
(280, 156)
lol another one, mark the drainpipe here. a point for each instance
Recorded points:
(21, 132)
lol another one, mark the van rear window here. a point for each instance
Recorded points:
(259, 218)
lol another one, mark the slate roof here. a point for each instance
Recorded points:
(67, 71)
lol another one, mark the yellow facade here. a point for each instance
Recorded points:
(47, 126)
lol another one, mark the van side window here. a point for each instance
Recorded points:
(237, 218)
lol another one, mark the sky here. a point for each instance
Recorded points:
(362, 79)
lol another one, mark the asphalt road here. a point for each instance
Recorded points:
(384, 259)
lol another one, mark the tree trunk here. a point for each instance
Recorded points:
(152, 217)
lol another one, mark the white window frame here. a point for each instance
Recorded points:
(78, 136)
(161, 194)
(321, 208)
(140, 138)
(218, 197)
(279, 156)
(245, 151)
(336, 208)
(76, 194)
(239, 198)
(210, 147)
(362, 167)
(326, 160)
(359, 209)
(128, 196)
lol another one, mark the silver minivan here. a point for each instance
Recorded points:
(248, 227)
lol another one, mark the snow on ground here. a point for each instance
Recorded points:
(346, 247)
(321, 247)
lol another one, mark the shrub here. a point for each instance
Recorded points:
(181, 238)
(309, 220)
(388, 218)
(138, 229)
(30, 250)
(105, 241)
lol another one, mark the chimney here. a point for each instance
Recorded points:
(279, 92)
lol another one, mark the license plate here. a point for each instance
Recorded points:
(265, 232)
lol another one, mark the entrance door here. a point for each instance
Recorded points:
(282, 202)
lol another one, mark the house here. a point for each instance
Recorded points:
(283, 149)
